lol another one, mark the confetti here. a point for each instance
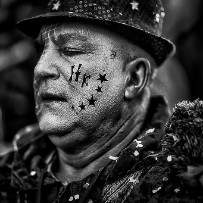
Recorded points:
(150, 131)
(165, 179)
(33, 173)
(77, 197)
(136, 153)
(132, 180)
(113, 158)
(177, 190)
(139, 143)
(135, 5)
(169, 158)
(56, 6)
(155, 191)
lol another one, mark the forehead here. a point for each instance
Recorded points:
(82, 32)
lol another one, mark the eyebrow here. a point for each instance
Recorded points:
(62, 39)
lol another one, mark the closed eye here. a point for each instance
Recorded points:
(70, 51)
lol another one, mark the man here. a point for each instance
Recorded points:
(99, 126)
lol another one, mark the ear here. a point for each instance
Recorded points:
(137, 77)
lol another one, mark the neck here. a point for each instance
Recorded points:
(96, 156)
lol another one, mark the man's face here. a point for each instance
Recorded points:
(79, 80)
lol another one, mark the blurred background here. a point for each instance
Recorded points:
(178, 79)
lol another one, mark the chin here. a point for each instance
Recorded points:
(54, 125)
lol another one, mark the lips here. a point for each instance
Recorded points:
(52, 97)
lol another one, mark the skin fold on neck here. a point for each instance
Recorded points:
(77, 167)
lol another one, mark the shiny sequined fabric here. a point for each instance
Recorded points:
(147, 15)
(140, 21)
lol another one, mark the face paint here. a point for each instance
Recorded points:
(92, 101)
(82, 107)
(102, 78)
(113, 54)
(85, 80)
(77, 73)
(88, 80)
(99, 89)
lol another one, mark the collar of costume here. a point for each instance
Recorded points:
(36, 153)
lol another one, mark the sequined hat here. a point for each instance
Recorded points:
(139, 20)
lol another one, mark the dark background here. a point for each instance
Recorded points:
(178, 79)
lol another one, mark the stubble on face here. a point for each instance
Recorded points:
(90, 78)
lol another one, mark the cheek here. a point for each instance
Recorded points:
(36, 96)
(95, 84)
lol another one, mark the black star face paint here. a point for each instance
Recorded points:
(99, 89)
(102, 78)
(82, 107)
(113, 54)
(92, 101)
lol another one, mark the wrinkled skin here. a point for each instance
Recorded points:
(98, 53)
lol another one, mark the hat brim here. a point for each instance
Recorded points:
(158, 47)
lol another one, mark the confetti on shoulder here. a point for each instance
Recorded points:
(139, 143)
(150, 131)
(169, 158)
(114, 158)
(135, 5)
(155, 191)
(56, 6)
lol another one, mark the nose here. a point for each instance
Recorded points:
(46, 67)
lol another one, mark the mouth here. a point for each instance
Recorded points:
(49, 97)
